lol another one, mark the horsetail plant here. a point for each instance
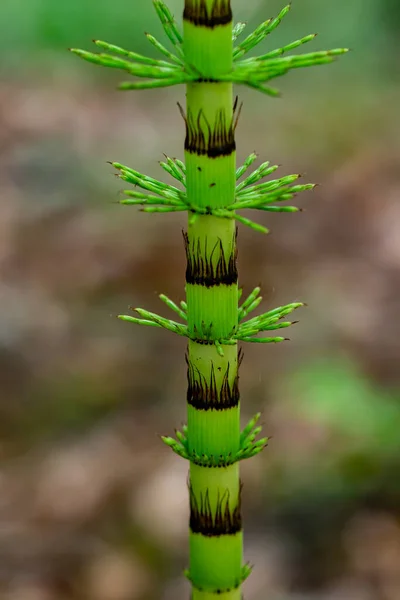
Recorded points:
(207, 58)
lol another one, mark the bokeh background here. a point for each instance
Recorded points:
(92, 505)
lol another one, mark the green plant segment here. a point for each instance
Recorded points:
(208, 59)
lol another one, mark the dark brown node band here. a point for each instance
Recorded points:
(224, 522)
(204, 139)
(210, 269)
(204, 395)
(196, 12)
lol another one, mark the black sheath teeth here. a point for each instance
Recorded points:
(204, 395)
(206, 139)
(223, 522)
(210, 269)
(196, 12)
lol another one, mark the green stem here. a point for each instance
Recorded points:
(212, 300)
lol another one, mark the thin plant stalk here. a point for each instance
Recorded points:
(213, 407)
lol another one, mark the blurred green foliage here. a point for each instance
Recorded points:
(358, 444)
(333, 392)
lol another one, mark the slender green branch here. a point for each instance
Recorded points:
(182, 313)
(259, 34)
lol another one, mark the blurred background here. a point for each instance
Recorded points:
(92, 505)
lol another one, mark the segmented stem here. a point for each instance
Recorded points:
(213, 427)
